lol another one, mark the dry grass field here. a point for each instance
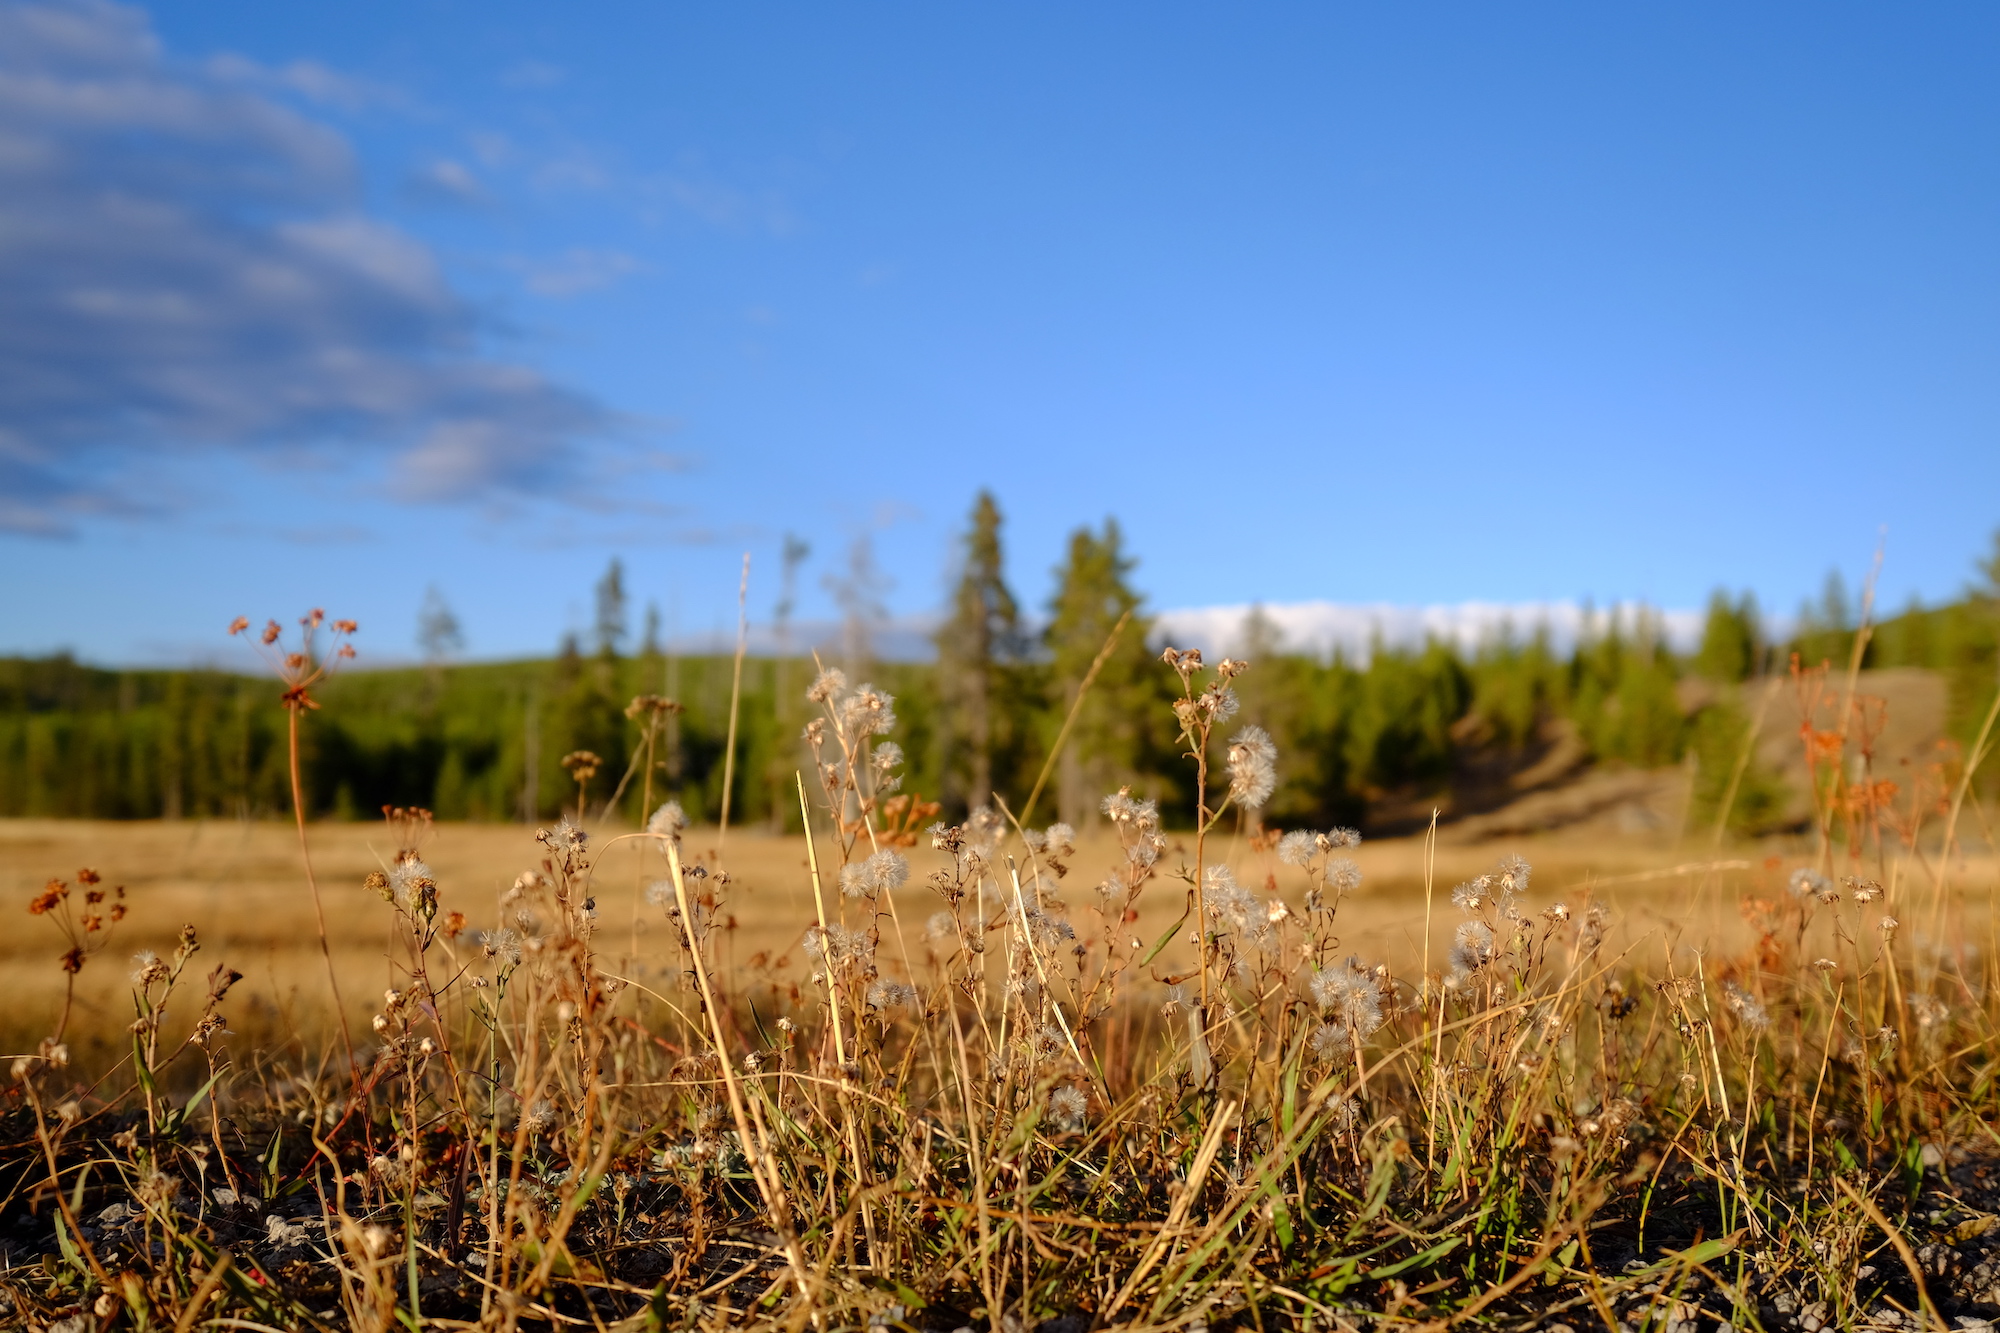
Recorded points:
(243, 888)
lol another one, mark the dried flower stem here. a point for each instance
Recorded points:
(1075, 709)
(735, 701)
(312, 883)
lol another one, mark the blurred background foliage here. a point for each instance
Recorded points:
(1374, 743)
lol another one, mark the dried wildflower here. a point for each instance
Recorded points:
(1253, 771)
(1329, 1042)
(410, 881)
(984, 829)
(886, 995)
(147, 968)
(503, 945)
(838, 944)
(883, 760)
(1512, 876)
(1559, 912)
(564, 838)
(1863, 890)
(1929, 1010)
(1060, 839)
(1471, 949)
(1342, 875)
(1067, 1109)
(867, 712)
(1470, 895)
(827, 685)
(1805, 884)
(1349, 995)
(1298, 847)
(941, 927)
(1747, 1008)
(1825, 964)
(1045, 932)
(1887, 924)
(887, 869)
(52, 893)
(668, 821)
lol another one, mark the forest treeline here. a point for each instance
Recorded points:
(1369, 743)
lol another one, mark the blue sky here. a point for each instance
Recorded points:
(1414, 304)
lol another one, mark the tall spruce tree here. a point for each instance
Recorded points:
(981, 636)
(1111, 739)
(611, 626)
(1731, 640)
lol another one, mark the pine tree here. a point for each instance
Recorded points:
(611, 627)
(439, 635)
(982, 634)
(1115, 730)
(1731, 640)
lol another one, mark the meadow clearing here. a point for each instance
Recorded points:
(240, 884)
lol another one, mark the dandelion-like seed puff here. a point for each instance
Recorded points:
(1253, 767)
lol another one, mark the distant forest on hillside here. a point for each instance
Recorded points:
(1371, 743)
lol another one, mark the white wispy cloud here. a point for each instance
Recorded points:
(445, 181)
(186, 264)
(575, 271)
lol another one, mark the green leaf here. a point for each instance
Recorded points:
(658, 1312)
(76, 1195)
(1163, 941)
(1281, 1222)
(1421, 1259)
(200, 1095)
(70, 1252)
(270, 1162)
(145, 1075)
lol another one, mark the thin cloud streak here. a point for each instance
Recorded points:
(185, 266)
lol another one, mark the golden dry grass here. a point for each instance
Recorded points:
(242, 886)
